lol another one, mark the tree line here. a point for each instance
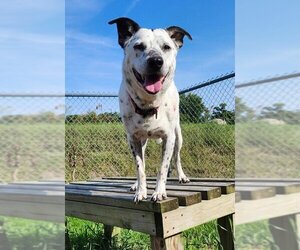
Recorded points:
(192, 110)
(275, 111)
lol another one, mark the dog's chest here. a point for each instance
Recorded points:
(153, 126)
(149, 127)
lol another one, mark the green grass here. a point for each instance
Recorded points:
(31, 151)
(95, 150)
(89, 235)
(264, 150)
(26, 234)
(254, 236)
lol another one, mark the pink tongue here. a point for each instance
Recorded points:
(153, 85)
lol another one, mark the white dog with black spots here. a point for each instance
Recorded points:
(149, 100)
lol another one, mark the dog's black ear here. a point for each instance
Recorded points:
(126, 29)
(177, 34)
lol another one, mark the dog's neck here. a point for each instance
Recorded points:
(142, 111)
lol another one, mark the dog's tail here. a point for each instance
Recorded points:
(158, 141)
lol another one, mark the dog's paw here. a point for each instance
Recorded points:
(184, 179)
(134, 186)
(139, 196)
(159, 196)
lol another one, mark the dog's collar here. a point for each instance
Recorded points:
(143, 112)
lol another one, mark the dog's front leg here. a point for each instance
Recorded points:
(167, 151)
(144, 144)
(137, 146)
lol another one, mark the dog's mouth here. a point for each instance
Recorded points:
(152, 83)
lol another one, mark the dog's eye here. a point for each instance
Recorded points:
(166, 47)
(140, 46)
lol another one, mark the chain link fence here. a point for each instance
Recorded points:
(96, 144)
(267, 127)
(32, 137)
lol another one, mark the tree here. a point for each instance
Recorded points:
(220, 112)
(192, 109)
(243, 113)
(277, 111)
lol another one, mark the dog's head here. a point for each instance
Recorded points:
(150, 55)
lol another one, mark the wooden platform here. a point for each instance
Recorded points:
(33, 200)
(110, 202)
(266, 198)
(275, 200)
(36, 200)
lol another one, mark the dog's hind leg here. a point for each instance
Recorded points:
(178, 144)
(137, 146)
(144, 144)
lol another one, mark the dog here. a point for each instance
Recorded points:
(149, 100)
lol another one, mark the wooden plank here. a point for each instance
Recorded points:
(179, 220)
(48, 183)
(54, 197)
(123, 200)
(109, 233)
(253, 210)
(238, 197)
(268, 179)
(169, 179)
(33, 198)
(184, 198)
(12, 190)
(35, 211)
(280, 187)
(297, 224)
(207, 193)
(254, 193)
(67, 237)
(171, 243)
(33, 187)
(226, 187)
(137, 220)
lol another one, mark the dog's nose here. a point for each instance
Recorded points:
(155, 63)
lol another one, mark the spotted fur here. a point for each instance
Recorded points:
(165, 125)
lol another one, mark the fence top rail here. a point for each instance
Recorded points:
(268, 80)
(90, 95)
(198, 86)
(207, 83)
(30, 95)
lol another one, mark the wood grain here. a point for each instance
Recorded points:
(255, 193)
(253, 210)
(184, 198)
(123, 200)
(207, 193)
(141, 221)
(171, 243)
(184, 218)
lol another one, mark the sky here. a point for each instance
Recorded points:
(32, 46)
(256, 38)
(94, 58)
(267, 44)
(267, 38)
